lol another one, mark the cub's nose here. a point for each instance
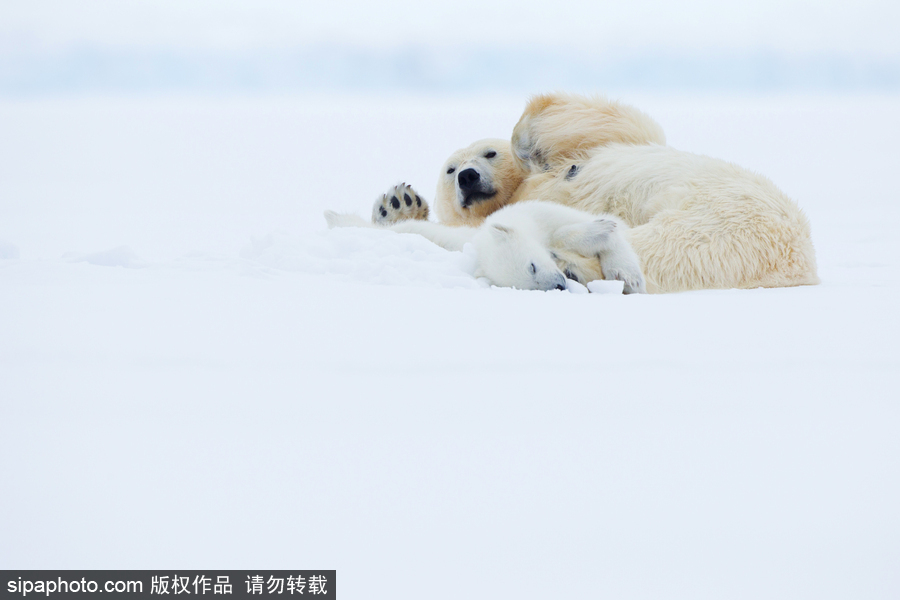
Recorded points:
(468, 179)
(560, 281)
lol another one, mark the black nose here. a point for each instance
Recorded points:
(468, 179)
(560, 286)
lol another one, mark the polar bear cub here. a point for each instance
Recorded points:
(533, 245)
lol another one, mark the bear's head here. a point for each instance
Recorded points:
(477, 181)
(509, 258)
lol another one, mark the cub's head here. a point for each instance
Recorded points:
(509, 258)
(476, 181)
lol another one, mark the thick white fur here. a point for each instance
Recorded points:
(697, 222)
(527, 245)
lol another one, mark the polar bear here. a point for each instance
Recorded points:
(695, 222)
(531, 245)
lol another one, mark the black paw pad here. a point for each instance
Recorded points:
(418, 201)
(395, 203)
(383, 212)
(407, 199)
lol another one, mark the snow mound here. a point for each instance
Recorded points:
(368, 256)
(575, 288)
(380, 257)
(603, 286)
(122, 256)
(8, 251)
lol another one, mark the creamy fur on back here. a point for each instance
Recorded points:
(697, 222)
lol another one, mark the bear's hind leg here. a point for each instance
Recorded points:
(703, 248)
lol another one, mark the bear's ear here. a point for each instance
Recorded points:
(500, 231)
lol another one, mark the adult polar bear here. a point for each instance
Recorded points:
(696, 222)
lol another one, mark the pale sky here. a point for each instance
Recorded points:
(867, 27)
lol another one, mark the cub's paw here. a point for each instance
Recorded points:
(597, 233)
(400, 203)
(633, 278)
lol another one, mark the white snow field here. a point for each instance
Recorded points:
(196, 373)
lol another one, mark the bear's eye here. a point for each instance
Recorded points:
(533, 269)
(570, 275)
(450, 170)
(490, 154)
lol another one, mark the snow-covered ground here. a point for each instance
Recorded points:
(195, 373)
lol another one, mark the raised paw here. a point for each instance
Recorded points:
(400, 203)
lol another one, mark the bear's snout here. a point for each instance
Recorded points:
(469, 179)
